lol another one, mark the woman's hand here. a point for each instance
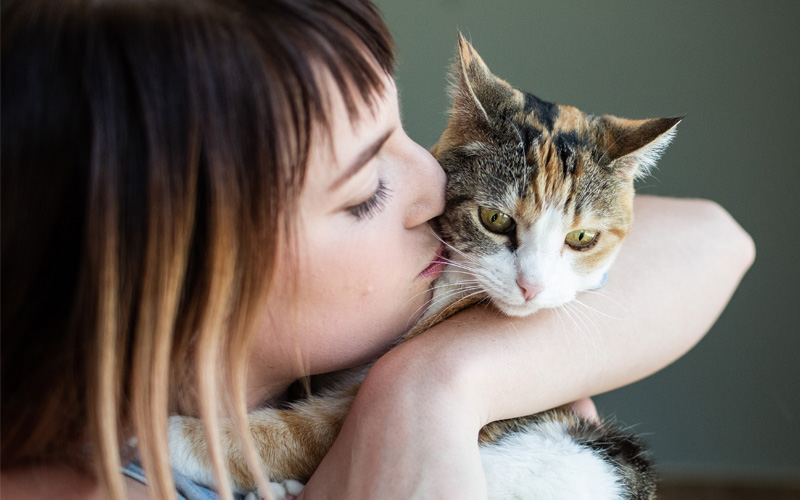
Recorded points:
(409, 435)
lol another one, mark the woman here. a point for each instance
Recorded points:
(206, 201)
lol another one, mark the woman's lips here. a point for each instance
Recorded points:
(437, 265)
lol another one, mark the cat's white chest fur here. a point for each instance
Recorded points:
(547, 464)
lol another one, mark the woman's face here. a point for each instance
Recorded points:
(364, 254)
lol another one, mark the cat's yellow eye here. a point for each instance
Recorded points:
(495, 220)
(581, 239)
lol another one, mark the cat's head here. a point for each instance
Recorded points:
(539, 195)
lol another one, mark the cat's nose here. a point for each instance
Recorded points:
(529, 290)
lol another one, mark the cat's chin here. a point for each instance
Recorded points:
(517, 311)
(528, 308)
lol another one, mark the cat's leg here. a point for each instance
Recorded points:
(291, 442)
(559, 456)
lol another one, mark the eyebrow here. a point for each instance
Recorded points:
(361, 160)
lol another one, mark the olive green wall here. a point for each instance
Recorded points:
(732, 405)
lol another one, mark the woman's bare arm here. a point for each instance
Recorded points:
(675, 274)
(411, 433)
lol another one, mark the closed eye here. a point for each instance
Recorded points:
(372, 205)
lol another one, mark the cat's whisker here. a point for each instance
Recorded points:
(454, 292)
(464, 291)
(425, 305)
(586, 322)
(450, 261)
(414, 316)
(570, 338)
(467, 259)
(449, 246)
(457, 266)
(590, 331)
(470, 265)
(428, 304)
(558, 314)
(435, 286)
(609, 296)
(411, 299)
(592, 335)
(467, 284)
(472, 274)
(597, 311)
(569, 315)
(574, 303)
(478, 291)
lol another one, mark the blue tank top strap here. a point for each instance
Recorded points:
(184, 487)
(602, 283)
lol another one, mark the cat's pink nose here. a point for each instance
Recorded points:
(529, 290)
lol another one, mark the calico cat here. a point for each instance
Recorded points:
(539, 199)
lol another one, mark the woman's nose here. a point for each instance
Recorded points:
(427, 180)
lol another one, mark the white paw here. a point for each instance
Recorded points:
(293, 487)
(279, 491)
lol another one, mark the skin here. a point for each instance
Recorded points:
(354, 281)
(412, 431)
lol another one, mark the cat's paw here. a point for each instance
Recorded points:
(285, 490)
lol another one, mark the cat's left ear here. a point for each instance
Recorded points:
(476, 92)
(632, 147)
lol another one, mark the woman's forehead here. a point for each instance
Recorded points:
(344, 135)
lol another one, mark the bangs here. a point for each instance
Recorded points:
(306, 39)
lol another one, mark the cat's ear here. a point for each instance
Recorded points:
(632, 147)
(474, 89)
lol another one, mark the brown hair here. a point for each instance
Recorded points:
(151, 152)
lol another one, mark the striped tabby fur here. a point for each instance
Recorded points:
(552, 170)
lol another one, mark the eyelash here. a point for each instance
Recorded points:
(374, 204)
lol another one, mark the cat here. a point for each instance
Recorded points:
(539, 198)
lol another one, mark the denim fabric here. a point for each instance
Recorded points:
(185, 488)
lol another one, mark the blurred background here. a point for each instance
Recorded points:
(729, 411)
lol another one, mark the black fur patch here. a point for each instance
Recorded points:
(625, 453)
(545, 112)
(567, 144)
(529, 134)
